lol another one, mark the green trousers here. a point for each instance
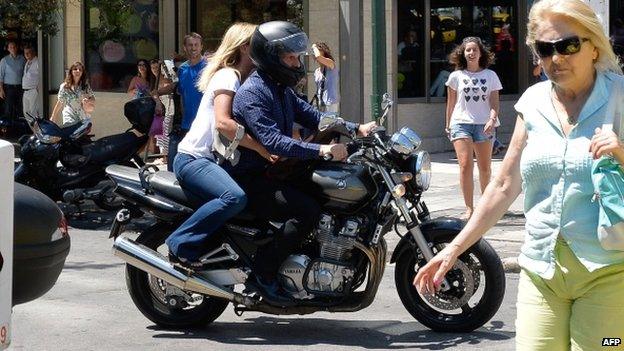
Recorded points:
(575, 310)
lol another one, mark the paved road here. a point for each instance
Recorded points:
(89, 309)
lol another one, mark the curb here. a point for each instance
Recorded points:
(510, 265)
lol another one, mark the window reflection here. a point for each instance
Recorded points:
(114, 43)
(410, 50)
(616, 9)
(495, 24)
(212, 17)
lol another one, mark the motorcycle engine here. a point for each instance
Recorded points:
(330, 272)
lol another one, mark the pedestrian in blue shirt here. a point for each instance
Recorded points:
(267, 107)
(11, 73)
(188, 74)
(571, 288)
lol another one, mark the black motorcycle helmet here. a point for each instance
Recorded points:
(269, 41)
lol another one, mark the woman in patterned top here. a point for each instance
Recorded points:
(75, 97)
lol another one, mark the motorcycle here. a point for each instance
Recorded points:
(65, 164)
(340, 264)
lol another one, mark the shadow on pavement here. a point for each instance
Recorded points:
(372, 334)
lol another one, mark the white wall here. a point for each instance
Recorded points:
(6, 241)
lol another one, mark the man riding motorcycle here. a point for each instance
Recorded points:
(267, 107)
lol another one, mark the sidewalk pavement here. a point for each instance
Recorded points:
(444, 199)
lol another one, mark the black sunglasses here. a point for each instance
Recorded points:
(565, 46)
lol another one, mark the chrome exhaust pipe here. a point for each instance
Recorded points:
(152, 262)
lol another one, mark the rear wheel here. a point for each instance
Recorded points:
(477, 289)
(162, 303)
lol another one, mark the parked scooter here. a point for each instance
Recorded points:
(65, 164)
(339, 265)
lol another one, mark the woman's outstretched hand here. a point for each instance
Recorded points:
(430, 276)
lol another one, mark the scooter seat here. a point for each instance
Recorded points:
(167, 184)
(111, 149)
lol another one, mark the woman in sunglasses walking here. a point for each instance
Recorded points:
(472, 113)
(571, 288)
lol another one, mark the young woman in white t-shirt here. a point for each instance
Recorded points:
(472, 113)
(196, 165)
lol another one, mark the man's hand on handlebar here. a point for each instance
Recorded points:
(338, 152)
(366, 129)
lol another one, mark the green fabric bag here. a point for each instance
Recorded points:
(608, 180)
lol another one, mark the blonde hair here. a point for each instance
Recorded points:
(228, 54)
(582, 14)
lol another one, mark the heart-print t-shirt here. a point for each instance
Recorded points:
(473, 95)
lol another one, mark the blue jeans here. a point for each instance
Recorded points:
(207, 181)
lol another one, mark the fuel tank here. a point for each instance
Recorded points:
(343, 187)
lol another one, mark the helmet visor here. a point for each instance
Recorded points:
(295, 43)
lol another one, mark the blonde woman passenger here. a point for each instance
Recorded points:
(197, 164)
(571, 289)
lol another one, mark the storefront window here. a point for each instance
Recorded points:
(616, 32)
(115, 40)
(211, 18)
(495, 24)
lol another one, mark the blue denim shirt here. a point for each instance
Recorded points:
(267, 111)
(556, 179)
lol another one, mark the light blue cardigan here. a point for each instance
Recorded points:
(556, 180)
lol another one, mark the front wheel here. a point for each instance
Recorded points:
(162, 303)
(477, 288)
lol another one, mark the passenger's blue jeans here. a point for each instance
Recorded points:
(207, 181)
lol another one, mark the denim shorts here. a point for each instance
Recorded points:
(469, 131)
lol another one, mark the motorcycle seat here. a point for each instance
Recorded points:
(167, 184)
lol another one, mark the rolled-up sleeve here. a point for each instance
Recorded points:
(256, 110)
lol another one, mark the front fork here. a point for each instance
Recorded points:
(412, 223)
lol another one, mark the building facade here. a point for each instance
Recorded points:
(419, 36)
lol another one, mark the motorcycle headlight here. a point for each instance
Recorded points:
(421, 167)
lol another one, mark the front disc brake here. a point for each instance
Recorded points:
(462, 287)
